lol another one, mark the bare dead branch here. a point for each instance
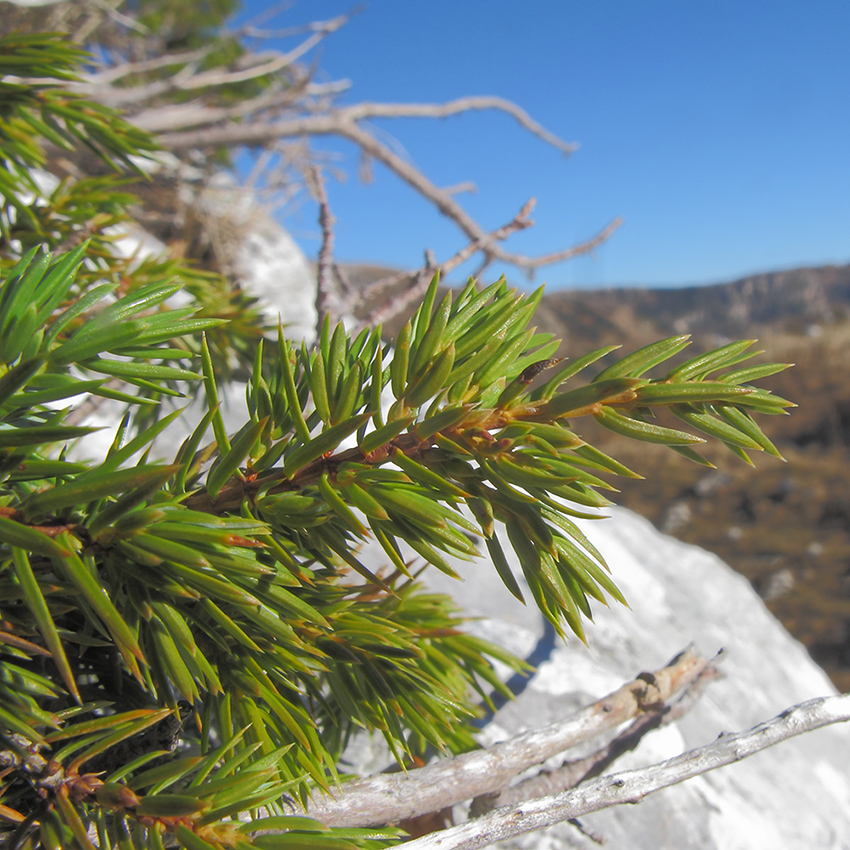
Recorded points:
(389, 798)
(197, 113)
(631, 786)
(326, 295)
(297, 107)
(343, 122)
(576, 771)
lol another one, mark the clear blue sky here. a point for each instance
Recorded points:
(720, 131)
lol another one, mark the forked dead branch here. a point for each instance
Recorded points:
(186, 104)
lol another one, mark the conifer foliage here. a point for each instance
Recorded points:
(218, 601)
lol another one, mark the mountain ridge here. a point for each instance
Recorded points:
(788, 300)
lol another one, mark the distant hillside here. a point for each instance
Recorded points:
(786, 301)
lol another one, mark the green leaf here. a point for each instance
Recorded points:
(149, 371)
(716, 427)
(711, 361)
(72, 818)
(114, 511)
(339, 507)
(171, 806)
(118, 456)
(433, 380)
(94, 485)
(448, 417)
(345, 402)
(380, 437)
(432, 340)
(323, 443)
(39, 435)
(19, 335)
(55, 286)
(293, 404)
(213, 402)
(587, 399)
(84, 303)
(34, 600)
(94, 593)
(568, 369)
(94, 339)
(497, 554)
(644, 359)
(230, 461)
(645, 431)
(754, 373)
(744, 423)
(689, 393)
(401, 360)
(18, 534)
(427, 476)
(319, 387)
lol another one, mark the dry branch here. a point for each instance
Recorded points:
(343, 122)
(326, 294)
(631, 786)
(389, 798)
(573, 772)
(292, 106)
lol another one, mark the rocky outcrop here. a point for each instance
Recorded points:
(793, 797)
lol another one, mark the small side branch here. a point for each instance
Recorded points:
(421, 278)
(631, 786)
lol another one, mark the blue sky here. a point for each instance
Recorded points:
(719, 131)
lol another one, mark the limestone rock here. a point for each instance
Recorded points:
(793, 797)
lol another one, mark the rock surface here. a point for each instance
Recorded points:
(794, 796)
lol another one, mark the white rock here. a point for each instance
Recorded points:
(796, 795)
